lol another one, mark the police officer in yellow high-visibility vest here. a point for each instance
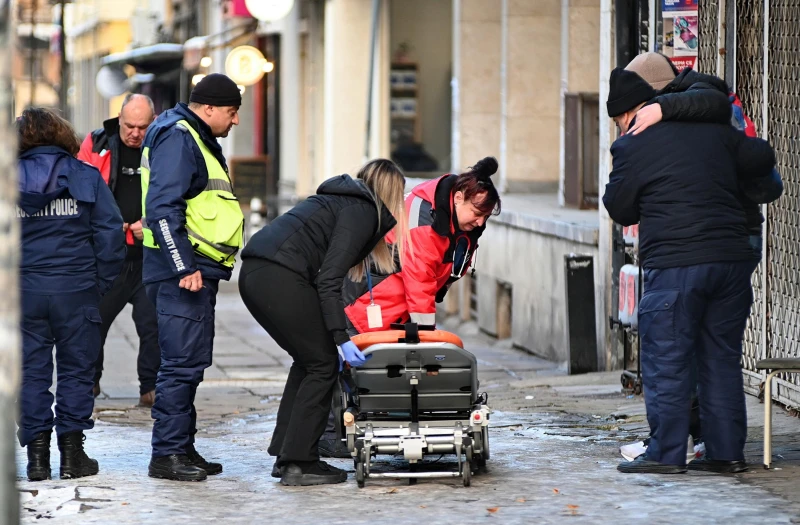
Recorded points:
(192, 229)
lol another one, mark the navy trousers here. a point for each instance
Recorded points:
(695, 315)
(71, 322)
(186, 338)
(128, 288)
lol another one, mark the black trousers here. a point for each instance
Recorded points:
(287, 306)
(128, 288)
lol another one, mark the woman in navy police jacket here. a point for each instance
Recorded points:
(72, 250)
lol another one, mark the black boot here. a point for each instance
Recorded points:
(644, 465)
(175, 467)
(199, 461)
(311, 473)
(74, 461)
(39, 457)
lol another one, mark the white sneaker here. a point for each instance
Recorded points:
(699, 451)
(632, 451)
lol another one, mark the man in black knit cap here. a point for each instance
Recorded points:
(679, 181)
(192, 228)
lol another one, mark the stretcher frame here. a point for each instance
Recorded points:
(426, 420)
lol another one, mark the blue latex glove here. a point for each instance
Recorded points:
(352, 354)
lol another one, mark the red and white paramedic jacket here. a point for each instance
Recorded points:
(434, 242)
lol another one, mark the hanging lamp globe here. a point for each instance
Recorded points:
(269, 10)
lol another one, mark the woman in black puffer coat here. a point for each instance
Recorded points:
(291, 282)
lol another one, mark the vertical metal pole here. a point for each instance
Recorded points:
(455, 98)
(765, 339)
(9, 306)
(63, 88)
(376, 9)
(503, 183)
(721, 38)
(32, 54)
(614, 352)
(731, 51)
(564, 88)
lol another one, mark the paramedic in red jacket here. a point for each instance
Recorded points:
(115, 150)
(446, 217)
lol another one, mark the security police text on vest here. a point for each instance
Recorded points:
(176, 257)
(56, 208)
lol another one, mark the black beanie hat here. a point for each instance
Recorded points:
(626, 91)
(216, 89)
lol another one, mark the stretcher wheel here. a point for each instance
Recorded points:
(466, 466)
(360, 476)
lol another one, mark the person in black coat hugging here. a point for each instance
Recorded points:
(690, 96)
(681, 181)
(291, 282)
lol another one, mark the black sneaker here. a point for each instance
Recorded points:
(39, 457)
(643, 465)
(720, 467)
(175, 467)
(311, 473)
(74, 461)
(212, 469)
(276, 470)
(333, 448)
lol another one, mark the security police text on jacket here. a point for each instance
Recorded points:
(72, 250)
(59, 255)
(192, 232)
(183, 175)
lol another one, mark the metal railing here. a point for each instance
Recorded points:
(708, 24)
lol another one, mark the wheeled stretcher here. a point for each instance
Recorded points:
(416, 396)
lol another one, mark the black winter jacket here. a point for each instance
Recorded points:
(696, 97)
(107, 138)
(681, 181)
(322, 238)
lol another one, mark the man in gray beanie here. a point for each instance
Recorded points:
(192, 231)
(679, 181)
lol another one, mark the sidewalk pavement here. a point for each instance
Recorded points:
(554, 439)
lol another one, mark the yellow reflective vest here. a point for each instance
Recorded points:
(214, 220)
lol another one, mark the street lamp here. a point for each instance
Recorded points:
(269, 10)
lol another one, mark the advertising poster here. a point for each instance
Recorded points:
(679, 5)
(680, 32)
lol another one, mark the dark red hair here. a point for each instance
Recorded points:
(477, 181)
